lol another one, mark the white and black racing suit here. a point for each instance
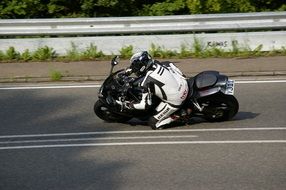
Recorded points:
(167, 82)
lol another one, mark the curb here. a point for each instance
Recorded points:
(99, 78)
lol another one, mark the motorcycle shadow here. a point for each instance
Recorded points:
(137, 122)
(195, 120)
(245, 115)
(192, 121)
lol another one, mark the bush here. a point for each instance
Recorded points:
(257, 51)
(197, 48)
(157, 51)
(26, 55)
(283, 50)
(214, 52)
(2, 56)
(12, 54)
(15, 9)
(73, 54)
(126, 51)
(91, 52)
(44, 53)
(184, 52)
(56, 75)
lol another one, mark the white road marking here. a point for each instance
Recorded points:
(143, 131)
(49, 87)
(260, 81)
(98, 138)
(143, 143)
(99, 85)
(11, 139)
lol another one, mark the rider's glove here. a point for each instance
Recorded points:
(128, 71)
(129, 105)
(125, 104)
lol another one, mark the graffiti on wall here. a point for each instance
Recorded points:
(221, 44)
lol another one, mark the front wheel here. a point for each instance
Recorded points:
(103, 112)
(219, 107)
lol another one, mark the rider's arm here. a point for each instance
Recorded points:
(144, 103)
(171, 66)
(176, 69)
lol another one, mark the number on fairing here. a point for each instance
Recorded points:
(229, 87)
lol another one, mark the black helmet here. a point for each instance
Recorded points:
(140, 62)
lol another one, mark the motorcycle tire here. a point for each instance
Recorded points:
(220, 107)
(102, 111)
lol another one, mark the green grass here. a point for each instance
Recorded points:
(44, 53)
(184, 51)
(196, 50)
(56, 75)
(91, 53)
(12, 54)
(73, 54)
(161, 52)
(26, 55)
(2, 56)
(126, 51)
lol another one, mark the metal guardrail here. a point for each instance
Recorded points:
(137, 25)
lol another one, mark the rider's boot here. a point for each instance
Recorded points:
(155, 124)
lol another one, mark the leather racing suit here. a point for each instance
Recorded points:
(167, 82)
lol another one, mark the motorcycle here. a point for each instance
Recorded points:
(210, 97)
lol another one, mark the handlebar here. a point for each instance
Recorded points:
(125, 78)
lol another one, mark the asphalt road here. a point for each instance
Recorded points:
(50, 139)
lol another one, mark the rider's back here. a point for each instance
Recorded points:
(169, 84)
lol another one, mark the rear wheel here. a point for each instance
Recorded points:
(219, 107)
(102, 111)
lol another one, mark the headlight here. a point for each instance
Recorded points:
(100, 95)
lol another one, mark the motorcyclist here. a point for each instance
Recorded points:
(165, 81)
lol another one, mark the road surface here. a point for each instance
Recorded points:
(51, 139)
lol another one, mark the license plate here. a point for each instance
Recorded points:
(229, 87)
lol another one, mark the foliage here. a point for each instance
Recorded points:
(2, 56)
(282, 8)
(73, 53)
(157, 51)
(184, 51)
(168, 7)
(126, 51)
(91, 52)
(235, 48)
(26, 55)
(214, 52)
(44, 53)
(283, 50)
(10, 9)
(257, 51)
(21, 8)
(195, 6)
(12, 54)
(230, 6)
(56, 75)
(197, 49)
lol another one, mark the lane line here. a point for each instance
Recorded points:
(260, 81)
(143, 131)
(49, 87)
(143, 143)
(98, 138)
(99, 85)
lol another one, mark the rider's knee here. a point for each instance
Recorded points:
(152, 122)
